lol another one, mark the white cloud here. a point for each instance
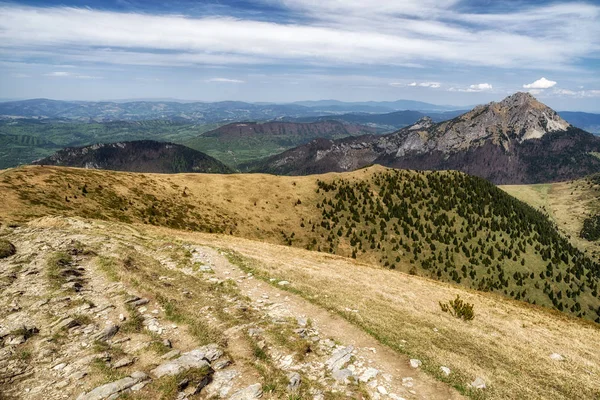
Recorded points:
(434, 85)
(65, 74)
(577, 93)
(20, 75)
(224, 80)
(542, 83)
(481, 87)
(58, 74)
(339, 33)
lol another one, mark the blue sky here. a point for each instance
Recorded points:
(440, 51)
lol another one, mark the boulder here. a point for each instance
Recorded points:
(415, 363)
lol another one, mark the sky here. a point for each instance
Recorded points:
(450, 52)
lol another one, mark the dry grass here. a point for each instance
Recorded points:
(508, 343)
(566, 203)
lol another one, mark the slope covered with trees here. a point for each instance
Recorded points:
(456, 228)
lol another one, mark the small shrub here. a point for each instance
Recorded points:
(7, 249)
(458, 309)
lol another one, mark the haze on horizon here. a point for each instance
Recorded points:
(455, 52)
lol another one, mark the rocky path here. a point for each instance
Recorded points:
(91, 311)
(353, 355)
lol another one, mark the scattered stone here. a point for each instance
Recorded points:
(114, 388)
(394, 396)
(369, 374)
(220, 364)
(249, 393)
(183, 384)
(339, 358)
(167, 343)
(79, 375)
(407, 382)
(283, 283)
(66, 323)
(16, 340)
(121, 317)
(192, 359)
(171, 354)
(123, 362)
(222, 382)
(342, 375)
(107, 333)
(415, 363)
(59, 367)
(445, 370)
(139, 386)
(478, 383)
(382, 390)
(557, 357)
(140, 302)
(294, 383)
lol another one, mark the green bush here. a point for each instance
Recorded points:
(458, 309)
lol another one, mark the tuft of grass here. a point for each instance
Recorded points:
(25, 332)
(56, 263)
(134, 322)
(104, 369)
(82, 319)
(168, 386)
(107, 265)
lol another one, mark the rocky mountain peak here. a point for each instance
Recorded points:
(422, 123)
(523, 116)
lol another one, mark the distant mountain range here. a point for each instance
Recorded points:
(386, 122)
(385, 115)
(196, 112)
(518, 140)
(375, 105)
(137, 156)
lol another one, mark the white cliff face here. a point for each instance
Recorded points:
(517, 118)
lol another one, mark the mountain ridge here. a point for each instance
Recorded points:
(517, 140)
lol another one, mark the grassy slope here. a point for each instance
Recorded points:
(490, 241)
(568, 204)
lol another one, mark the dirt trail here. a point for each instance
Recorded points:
(393, 367)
